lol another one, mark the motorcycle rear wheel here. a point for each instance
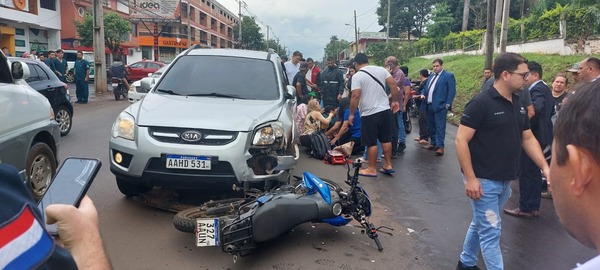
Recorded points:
(117, 92)
(185, 220)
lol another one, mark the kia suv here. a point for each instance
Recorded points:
(216, 119)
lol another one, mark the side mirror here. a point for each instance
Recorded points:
(19, 70)
(146, 83)
(291, 91)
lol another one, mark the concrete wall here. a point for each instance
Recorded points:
(552, 46)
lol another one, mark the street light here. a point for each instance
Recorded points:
(355, 37)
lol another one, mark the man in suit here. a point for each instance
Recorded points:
(530, 177)
(438, 94)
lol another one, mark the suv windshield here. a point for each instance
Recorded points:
(220, 76)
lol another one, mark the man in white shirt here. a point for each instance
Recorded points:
(370, 97)
(293, 66)
(575, 168)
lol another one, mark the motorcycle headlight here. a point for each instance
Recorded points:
(268, 134)
(124, 127)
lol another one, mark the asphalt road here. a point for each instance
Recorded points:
(424, 202)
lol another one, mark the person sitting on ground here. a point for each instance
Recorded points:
(344, 104)
(329, 110)
(347, 132)
(118, 70)
(313, 122)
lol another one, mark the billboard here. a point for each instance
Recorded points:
(154, 11)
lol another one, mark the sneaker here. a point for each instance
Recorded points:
(461, 266)
(401, 147)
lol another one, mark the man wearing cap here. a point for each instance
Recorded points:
(574, 70)
(589, 69)
(300, 83)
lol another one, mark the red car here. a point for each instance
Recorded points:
(139, 70)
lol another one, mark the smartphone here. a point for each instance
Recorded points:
(69, 185)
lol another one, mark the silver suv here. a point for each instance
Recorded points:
(215, 118)
(29, 134)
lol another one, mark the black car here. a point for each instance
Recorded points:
(43, 80)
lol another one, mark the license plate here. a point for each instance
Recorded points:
(115, 85)
(207, 232)
(188, 162)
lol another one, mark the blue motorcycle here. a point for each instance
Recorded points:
(238, 226)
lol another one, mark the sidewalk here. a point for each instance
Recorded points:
(93, 97)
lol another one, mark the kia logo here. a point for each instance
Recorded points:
(191, 136)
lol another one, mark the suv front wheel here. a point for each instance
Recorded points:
(41, 166)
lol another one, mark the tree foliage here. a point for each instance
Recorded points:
(276, 45)
(443, 21)
(252, 38)
(335, 46)
(116, 30)
(407, 18)
(381, 50)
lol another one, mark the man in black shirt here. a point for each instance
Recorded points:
(492, 131)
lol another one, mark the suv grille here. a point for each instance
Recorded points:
(209, 137)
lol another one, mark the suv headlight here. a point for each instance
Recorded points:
(124, 127)
(268, 134)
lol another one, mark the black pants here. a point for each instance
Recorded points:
(530, 184)
(423, 133)
(347, 137)
(395, 129)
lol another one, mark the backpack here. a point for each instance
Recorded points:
(319, 144)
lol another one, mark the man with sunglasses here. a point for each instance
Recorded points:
(530, 177)
(492, 131)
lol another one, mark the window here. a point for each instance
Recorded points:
(42, 75)
(152, 65)
(48, 4)
(137, 65)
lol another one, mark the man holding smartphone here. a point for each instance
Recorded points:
(22, 233)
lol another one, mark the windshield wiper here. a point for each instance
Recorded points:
(215, 95)
(168, 92)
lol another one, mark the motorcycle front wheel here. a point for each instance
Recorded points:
(185, 220)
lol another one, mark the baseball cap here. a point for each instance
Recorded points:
(574, 68)
(303, 66)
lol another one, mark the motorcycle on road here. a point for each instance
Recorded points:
(118, 88)
(239, 226)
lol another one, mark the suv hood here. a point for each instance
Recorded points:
(206, 112)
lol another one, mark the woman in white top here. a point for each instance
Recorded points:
(314, 119)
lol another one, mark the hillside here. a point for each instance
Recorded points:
(468, 70)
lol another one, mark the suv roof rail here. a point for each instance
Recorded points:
(198, 46)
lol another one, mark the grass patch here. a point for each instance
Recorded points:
(468, 71)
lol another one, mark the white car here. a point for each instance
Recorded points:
(137, 92)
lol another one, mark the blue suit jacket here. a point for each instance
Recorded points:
(543, 104)
(444, 92)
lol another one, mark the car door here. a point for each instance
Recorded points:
(136, 71)
(42, 83)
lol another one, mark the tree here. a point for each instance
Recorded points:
(381, 50)
(443, 22)
(252, 38)
(406, 17)
(335, 46)
(116, 30)
(275, 45)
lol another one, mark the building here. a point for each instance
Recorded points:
(210, 24)
(75, 10)
(26, 25)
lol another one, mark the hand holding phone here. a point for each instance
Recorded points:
(70, 185)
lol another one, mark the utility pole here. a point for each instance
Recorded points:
(504, 30)
(497, 20)
(267, 38)
(387, 26)
(465, 22)
(240, 25)
(99, 57)
(355, 33)
(189, 30)
(489, 35)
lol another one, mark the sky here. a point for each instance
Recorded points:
(308, 25)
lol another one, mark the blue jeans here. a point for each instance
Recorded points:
(484, 231)
(401, 127)
(379, 151)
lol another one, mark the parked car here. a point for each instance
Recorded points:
(139, 70)
(29, 135)
(203, 127)
(42, 79)
(136, 92)
(71, 56)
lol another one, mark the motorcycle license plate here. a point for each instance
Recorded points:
(207, 232)
(114, 85)
(188, 162)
